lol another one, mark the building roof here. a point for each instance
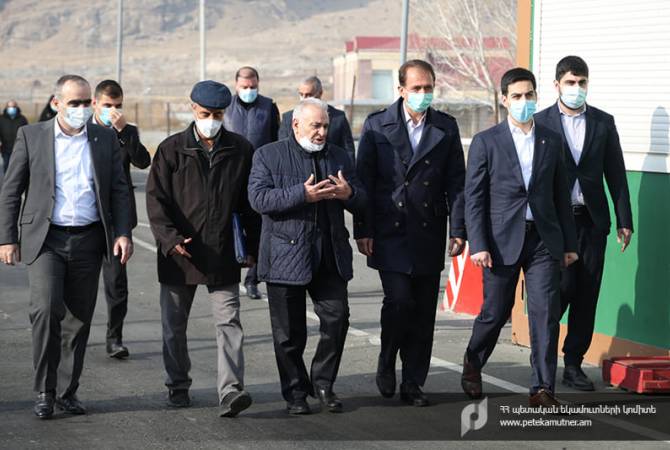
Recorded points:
(416, 42)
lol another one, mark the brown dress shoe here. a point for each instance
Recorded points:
(471, 380)
(543, 398)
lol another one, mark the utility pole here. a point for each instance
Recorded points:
(119, 40)
(202, 40)
(403, 32)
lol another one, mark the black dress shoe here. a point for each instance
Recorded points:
(411, 394)
(44, 405)
(117, 350)
(298, 406)
(234, 403)
(70, 405)
(543, 398)
(574, 377)
(252, 291)
(471, 380)
(178, 398)
(328, 399)
(385, 380)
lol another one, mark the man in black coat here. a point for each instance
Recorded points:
(410, 160)
(10, 121)
(591, 152)
(107, 104)
(301, 185)
(517, 213)
(198, 180)
(339, 131)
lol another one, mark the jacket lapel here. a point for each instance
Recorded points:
(509, 149)
(48, 137)
(96, 154)
(430, 137)
(589, 132)
(538, 154)
(396, 133)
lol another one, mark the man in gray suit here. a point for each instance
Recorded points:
(75, 211)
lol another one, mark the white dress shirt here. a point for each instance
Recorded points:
(414, 130)
(76, 204)
(525, 148)
(575, 132)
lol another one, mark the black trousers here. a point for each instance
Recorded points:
(63, 290)
(115, 279)
(408, 323)
(580, 287)
(289, 331)
(542, 282)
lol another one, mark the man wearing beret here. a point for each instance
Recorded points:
(198, 180)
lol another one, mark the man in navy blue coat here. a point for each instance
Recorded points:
(302, 185)
(592, 154)
(518, 216)
(410, 160)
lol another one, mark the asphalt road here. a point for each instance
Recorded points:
(126, 399)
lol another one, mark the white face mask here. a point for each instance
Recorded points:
(77, 117)
(310, 146)
(208, 127)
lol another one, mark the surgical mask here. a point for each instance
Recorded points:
(248, 95)
(208, 127)
(11, 111)
(106, 116)
(419, 102)
(77, 117)
(522, 110)
(53, 108)
(310, 146)
(573, 96)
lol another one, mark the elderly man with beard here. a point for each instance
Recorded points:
(302, 185)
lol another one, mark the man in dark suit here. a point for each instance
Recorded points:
(107, 107)
(517, 214)
(591, 152)
(75, 211)
(339, 131)
(410, 161)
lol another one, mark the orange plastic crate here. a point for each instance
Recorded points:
(641, 374)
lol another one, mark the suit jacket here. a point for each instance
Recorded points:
(496, 197)
(32, 172)
(132, 151)
(601, 156)
(339, 131)
(411, 194)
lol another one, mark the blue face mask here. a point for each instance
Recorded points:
(419, 102)
(11, 111)
(522, 110)
(248, 95)
(573, 97)
(106, 116)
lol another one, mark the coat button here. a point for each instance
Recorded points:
(424, 224)
(400, 204)
(292, 241)
(406, 183)
(397, 224)
(426, 183)
(425, 204)
(427, 161)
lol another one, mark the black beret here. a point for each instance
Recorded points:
(210, 94)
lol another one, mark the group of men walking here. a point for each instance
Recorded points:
(532, 199)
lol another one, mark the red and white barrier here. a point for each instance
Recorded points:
(464, 292)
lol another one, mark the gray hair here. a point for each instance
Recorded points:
(314, 81)
(58, 91)
(311, 101)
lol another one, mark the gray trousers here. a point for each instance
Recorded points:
(63, 290)
(176, 301)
